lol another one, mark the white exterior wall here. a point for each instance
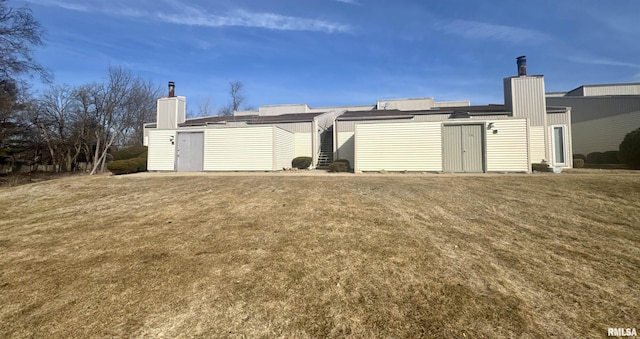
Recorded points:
(303, 146)
(601, 135)
(411, 146)
(507, 150)
(284, 148)
(239, 149)
(537, 145)
(345, 146)
(162, 152)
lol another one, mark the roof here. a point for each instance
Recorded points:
(603, 85)
(397, 114)
(252, 119)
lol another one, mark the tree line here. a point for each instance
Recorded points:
(66, 125)
(69, 127)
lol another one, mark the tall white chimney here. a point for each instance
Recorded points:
(171, 110)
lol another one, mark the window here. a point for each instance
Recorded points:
(558, 144)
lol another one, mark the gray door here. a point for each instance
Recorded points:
(190, 152)
(463, 148)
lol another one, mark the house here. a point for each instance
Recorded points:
(418, 134)
(601, 114)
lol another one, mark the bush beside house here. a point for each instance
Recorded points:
(630, 149)
(301, 162)
(129, 160)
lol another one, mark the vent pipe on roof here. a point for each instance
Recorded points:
(522, 65)
(172, 89)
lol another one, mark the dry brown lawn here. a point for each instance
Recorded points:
(277, 255)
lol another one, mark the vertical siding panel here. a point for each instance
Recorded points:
(161, 152)
(528, 100)
(472, 148)
(507, 150)
(452, 148)
(239, 149)
(285, 148)
(411, 146)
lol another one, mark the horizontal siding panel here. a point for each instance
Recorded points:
(412, 146)
(161, 152)
(626, 89)
(345, 146)
(592, 108)
(239, 149)
(297, 127)
(507, 150)
(603, 135)
(536, 137)
(303, 145)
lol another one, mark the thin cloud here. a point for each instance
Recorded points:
(482, 30)
(242, 18)
(604, 62)
(62, 4)
(350, 2)
(192, 16)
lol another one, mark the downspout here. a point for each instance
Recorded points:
(314, 143)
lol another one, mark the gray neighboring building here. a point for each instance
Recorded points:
(601, 115)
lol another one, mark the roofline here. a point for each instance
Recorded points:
(617, 84)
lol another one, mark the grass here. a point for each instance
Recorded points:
(269, 255)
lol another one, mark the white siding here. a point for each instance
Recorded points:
(411, 146)
(536, 138)
(296, 127)
(239, 149)
(285, 148)
(161, 151)
(303, 146)
(345, 146)
(507, 150)
(601, 135)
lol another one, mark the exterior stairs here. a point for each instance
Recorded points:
(326, 149)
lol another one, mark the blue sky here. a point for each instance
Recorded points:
(341, 52)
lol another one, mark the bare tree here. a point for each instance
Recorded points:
(19, 33)
(121, 104)
(55, 118)
(205, 109)
(237, 96)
